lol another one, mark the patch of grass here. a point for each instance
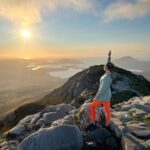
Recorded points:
(2, 140)
(147, 121)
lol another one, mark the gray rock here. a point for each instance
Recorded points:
(148, 144)
(64, 109)
(126, 107)
(17, 130)
(138, 112)
(50, 117)
(129, 142)
(143, 107)
(116, 126)
(61, 111)
(11, 145)
(35, 118)
(146, 99)
(40, 123)
(122, 115)
(73, 112)
(51, 108)
(140, 130)
(64, 137)
(66, 120)
(147, 116)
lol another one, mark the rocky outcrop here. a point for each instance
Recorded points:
(11, 145)
(42, 119)
(63, 132)
(84, 85)
(131, 124)
(63, 137)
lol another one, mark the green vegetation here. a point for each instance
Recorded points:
(140, 119)
(2, 140)
(147, 121)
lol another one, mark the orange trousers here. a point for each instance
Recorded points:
(97, 103)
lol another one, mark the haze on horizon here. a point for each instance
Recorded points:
(71, 28)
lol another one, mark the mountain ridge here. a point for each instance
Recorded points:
(82, 86)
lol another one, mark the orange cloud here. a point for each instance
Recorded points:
(30, 11)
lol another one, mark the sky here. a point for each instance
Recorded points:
(74, 28)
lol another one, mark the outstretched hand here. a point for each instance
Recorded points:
(109, 53)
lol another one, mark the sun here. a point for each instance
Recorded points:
(25, 33)
(27, 58)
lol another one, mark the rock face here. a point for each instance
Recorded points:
(62, 131)
(130, 122)
(64, 137)
(84, 85)
(42, 119)
(11, 145)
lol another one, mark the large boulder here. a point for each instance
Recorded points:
(61, 111)
(64, 137)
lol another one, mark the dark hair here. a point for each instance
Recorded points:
(110, 66)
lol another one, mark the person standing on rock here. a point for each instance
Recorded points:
(103, 95)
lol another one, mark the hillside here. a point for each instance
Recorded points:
(28, 120)
(80, 87)
(85, 84)
(20, 84)
(58, 127)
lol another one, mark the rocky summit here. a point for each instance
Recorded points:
(52, 123)
(56, 127)
(84, 85)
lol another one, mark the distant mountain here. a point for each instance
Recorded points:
(146, 74)
(125, 59)
(128, 62)
(66, 61)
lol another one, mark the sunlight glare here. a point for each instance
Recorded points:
(25, 33)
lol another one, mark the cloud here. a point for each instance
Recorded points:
(30, 11)
(26, 12)
(122, 9)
